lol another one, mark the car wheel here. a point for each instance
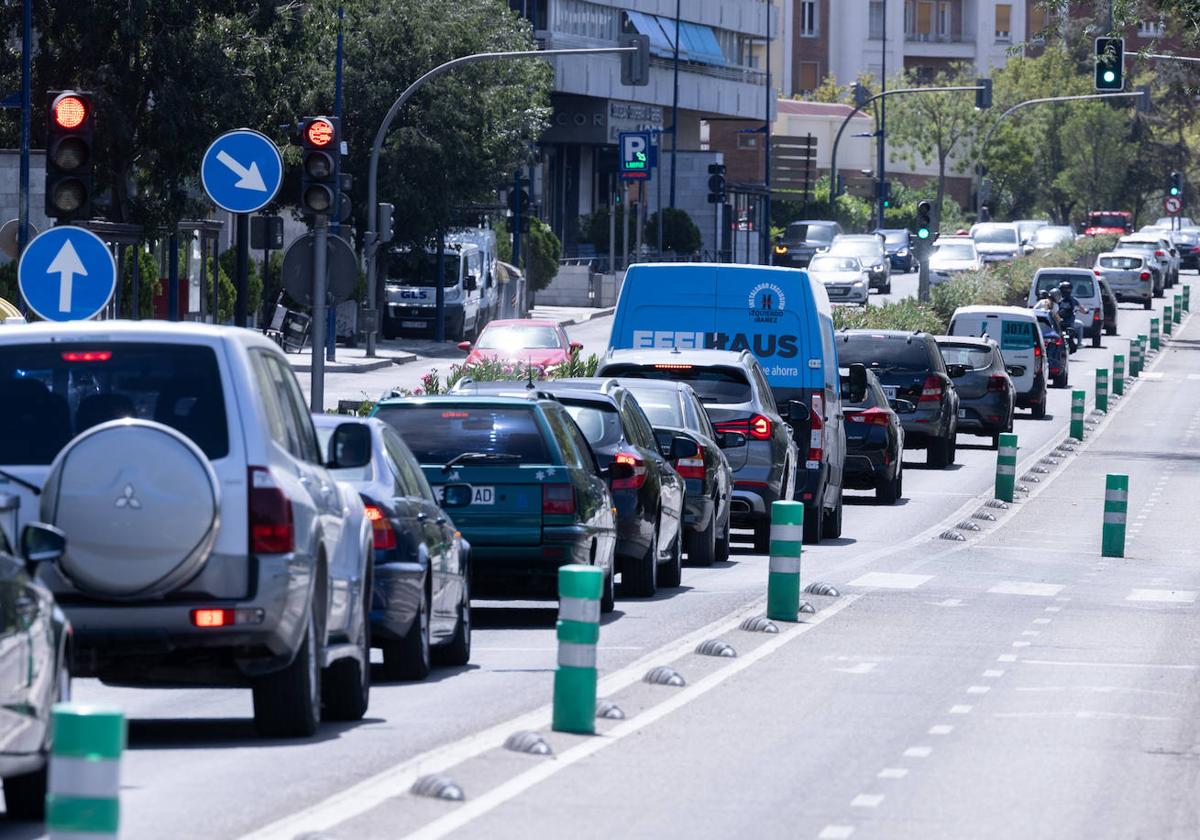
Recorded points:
(953, 444)
(411, 658)
(1146, 304)
(813, 522)
(346, 685)
(671, 574)
(723, 542)
(887, 290)
(1110, 330)
(1096, 340)
(457, 651)
(608, 597)
(640, 579)
(887, 492)
(1039, 409)
(287, 703)
(938, 455)
(762, 536)
(832, 526)
(702, 545)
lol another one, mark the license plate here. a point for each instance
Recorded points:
(483, 496)
(962, 412)
(889, 391)
(413, 325)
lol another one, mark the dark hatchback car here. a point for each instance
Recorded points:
(874, 437)
(34, 674)
(676, 411)
(898, 244)
(1058, 355)
(801, 240)
(420, 593)
(522, 483)
(986, 394)
(910, 367)
(649, 503)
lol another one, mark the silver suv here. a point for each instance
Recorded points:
(208, 544)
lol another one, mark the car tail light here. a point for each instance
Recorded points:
(639, 471)
(558, 499)
(1145, 275)
(931, 391)
(381, 527)
(871, 416)
(1160, 253)
(1058, 342)
(816, 429)
(270, 514)
(757, 427)
(690, 467)
(87, 356)
(1037, 351)
(1096, 314)
(996, 382)
(212, 618)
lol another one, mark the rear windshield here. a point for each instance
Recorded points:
(438, 433)
(1124, 263)
(971, 355)
(858, 247)
(50, 393)
(797, 233)
(600, 424)
(834, 264)
(1051, 235)
(711, 384)
(996, 235)
(954, 251)
(1081, 287)
(514, 337)
(1109, 220)
(895, 237)
(885, 352)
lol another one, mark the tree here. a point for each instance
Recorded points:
(542, 256)
(1097, 153)
(680, 233)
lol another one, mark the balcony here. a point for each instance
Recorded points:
(949, 45)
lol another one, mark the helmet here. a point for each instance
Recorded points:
(1065, 287)
(1043, 294)
(1055, 295)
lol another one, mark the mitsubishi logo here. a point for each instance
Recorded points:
(128, 500)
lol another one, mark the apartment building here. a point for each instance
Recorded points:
(849, 38)
(719, 77)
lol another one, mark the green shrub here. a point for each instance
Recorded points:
(906, 315)
(680, 233)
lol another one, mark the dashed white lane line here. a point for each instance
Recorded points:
(1006, 657)
(941, 729)
(1031, 632)
(836, 832)
(995, 672)
(1060, 663)
(1021, 587)
(1162, 596)
(979, 689)
(866, 800)
(1041, 621)
(918, 752)
(1020, 644)
(890, 580)
(961, 710)
(1053, 609)
(893, 772)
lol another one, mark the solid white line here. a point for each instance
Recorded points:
(1059, 663)
(1162, 596)
(514, 787)
(1007, 657)
(1021, 587)
(890, 580)
(995, 672)
(1020, 644)
(979, 689)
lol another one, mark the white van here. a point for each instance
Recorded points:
(411, 292)
(1017, 332)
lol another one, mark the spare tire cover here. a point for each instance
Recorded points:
(139, 503)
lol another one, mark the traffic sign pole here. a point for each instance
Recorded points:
(320, 243)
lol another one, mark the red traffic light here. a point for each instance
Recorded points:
(69, 111)
(319, 133)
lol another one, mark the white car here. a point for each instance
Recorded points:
(952, 255)
(1020, 339)
(997, 241)
(1051, 236)
(207, 542)
(844, 278)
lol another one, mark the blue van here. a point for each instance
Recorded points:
(781, 317)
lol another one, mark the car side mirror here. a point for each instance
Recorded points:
(41, 543)
(683, 447)
(617, 471)
(957, 371)
(456, 495)
(798, 411)
(464, 346)
(1015, 370)
(731, 440)
(470, 283)
(902, 406)
(349, 446)
(858, 383)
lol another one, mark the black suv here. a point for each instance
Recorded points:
(801, 240)
(910, 367)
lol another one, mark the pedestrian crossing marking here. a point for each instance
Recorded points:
(1021, 587)
(1162, 596)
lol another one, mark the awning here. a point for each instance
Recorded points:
(648, 25)
(701, 43)
(7, 310)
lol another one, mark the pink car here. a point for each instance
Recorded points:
(540, 343)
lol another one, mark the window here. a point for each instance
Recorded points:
(924, 21)
(587, 20)
(809, 73)
(1039, 19)
(437, 433)
(1151, 29)
(747, 141)
(945, 22)
(1003, 21)
(808, 18)
(876, 20)
(295, 410)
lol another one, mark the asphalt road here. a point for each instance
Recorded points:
(800, 729)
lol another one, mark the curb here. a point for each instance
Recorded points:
(377, 364)
(599, 313)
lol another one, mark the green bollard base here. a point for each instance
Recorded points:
(1112, 541)
(783, 596)
(575, 700)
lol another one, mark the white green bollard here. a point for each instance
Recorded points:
(1102, 389)
(1135, 358)
(1177, 310)
(1118, 383)
(1006, 467)
(83, 795)
(1155, 340)
(578, 630)
(783, 579)
(1078, 401)
(1116, 505)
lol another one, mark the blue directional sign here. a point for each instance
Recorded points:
(635, 153)
(67, 274)
(242, 171)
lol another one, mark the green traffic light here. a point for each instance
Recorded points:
(923, 233)
(1110, 76)
(1174, 190)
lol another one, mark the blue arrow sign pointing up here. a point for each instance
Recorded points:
(67, 274)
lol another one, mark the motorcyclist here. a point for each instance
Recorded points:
(1047, 305)
(1067, 308)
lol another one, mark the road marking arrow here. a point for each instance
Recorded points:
(66, 264)
(248, 178)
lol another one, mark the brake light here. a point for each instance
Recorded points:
(672, 367)
(381, 527)
(270, 514)
(871, 417)
(760, 427)
(639, 471)
(690, 467)
(996, 382)
(1058, 342)
(1037, 351)
(558, 499)
(1145, 275)
(816, 429)
(1160, 253)
(931, 391)
(87, 356)
(212, 618)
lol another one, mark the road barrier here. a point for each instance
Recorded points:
(783, 579)
(1116, 503)
(1154, 336)
(1135, 357)
(1168, 320)
(1187, 298)
(1177, 310)
(83, 797)
(1118, 374)
(1006, 467)
(1078, 400)
(579, 589)
(1102, 389)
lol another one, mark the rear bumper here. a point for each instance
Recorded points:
(922, 425)
(866, 469)
(530, 569)
(985, 415)
(1134, 295)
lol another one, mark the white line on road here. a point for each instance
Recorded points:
(941, 729)
(893, 772)
(979, 689)
(961, 710)
(918, 752)
(836, 832)
(1021, 587)
(995, 672)
(890, 580)
(1041, 621)
(866, 800)
(1058, 663)
(1162, 596)
(1053, 609)
(860, 668)
(1031, 632)
(1020, 644)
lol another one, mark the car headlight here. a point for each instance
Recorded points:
(858, 284)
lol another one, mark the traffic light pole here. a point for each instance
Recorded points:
(370, 238)
(857, 109)
(980, 170)
(320, 246)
